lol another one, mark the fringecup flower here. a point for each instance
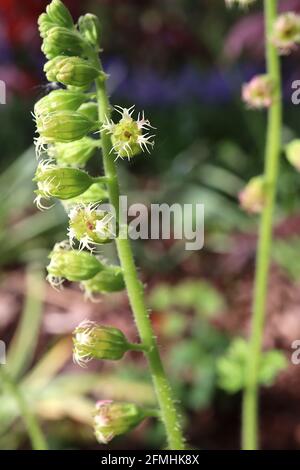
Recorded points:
(91, 226)
(61, 183)
(93, 341)
(72, 265)
(129, 137)
(61, 126)
(113, 419)
(258, 93)
(286, 32)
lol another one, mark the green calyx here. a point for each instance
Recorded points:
(60, 183)
(62, 41)
(93, 341)
(90, 28)
(73, 71)
(95, 193)
(73, 265)
(113, 419)
(59, 100)
(111, 279)
(63, 126)
(59, 14)
(74, 154)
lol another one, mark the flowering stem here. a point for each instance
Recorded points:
(273, 144)
(36, 436)
(135, 291)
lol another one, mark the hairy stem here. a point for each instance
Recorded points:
(135, 291)
(250, 429)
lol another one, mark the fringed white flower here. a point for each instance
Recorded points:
(129, 137)
(90, 226)
(82, 339)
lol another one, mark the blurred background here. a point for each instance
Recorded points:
(183, 62)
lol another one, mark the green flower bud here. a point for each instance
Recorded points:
(293, 153)
(59, 100)
(90, 28)
(95, 193)
(59, 14)
(114, 419)
(90, 110)
(111, 279)
(90, 226)
(61, 183)
(45, 24)
(127, 135)
(73, 265)
(62, 41)
(92, 341)
(71, 71)
(63, 126)
(76, 153)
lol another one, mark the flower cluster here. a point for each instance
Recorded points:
(67, 121)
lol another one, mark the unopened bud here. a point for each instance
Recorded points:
(258, 93)
(293, 153)
(90, 226)
(93, 341)
(73, 265)
(90, 28)
(90, 110)
(128, 137)
(286, 32)
(62, 41)
(59, 100)
(75, 154)
(113, 419)
(45, 24)
(73, 71)
(60, 183)
(59, 14)
(63, 126)
(252, 197)
(111, 279)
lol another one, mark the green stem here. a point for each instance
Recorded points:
(37, 439)
(137, 347)
(250, 429)
(135, 291)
